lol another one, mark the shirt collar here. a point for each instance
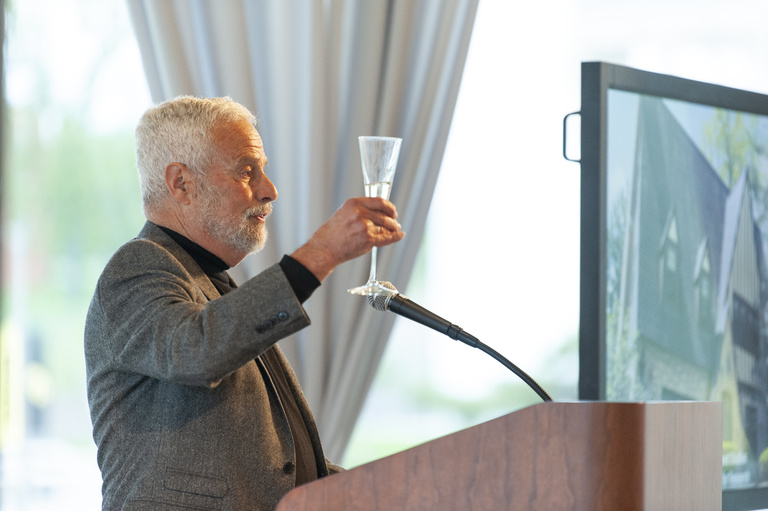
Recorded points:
(210, 263)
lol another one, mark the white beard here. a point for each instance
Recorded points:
(243, 235)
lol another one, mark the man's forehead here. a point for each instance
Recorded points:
(239, 135)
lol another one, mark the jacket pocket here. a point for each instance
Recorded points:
(153, 505)
(196, 484)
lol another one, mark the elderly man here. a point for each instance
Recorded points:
(192, 403)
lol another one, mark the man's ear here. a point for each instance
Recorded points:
(179, 181)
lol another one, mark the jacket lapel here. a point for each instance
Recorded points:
(153, 233)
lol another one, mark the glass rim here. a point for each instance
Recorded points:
(375, 137)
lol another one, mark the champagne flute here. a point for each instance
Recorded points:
(378, 156)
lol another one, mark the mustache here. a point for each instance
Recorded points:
(264, 210)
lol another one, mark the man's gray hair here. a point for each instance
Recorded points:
(180, 130)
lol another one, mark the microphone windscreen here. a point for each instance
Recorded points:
(380, 301)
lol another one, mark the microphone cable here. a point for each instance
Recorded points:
(401, 305)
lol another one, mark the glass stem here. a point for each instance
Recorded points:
(372, 277)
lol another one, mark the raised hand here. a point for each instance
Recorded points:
(354, 229)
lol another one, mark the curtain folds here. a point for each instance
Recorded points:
(318, 73)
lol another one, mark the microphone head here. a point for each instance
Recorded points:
(380, 301)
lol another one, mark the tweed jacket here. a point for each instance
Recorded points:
(184, 414)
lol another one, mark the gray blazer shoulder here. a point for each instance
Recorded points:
(152, 291)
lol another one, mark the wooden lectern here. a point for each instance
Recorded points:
(552, 456)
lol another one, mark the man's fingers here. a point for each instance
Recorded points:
(377, 204)
(387, 237)
(382, 223)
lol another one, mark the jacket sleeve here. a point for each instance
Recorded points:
(152, 318)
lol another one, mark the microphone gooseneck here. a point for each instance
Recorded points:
(401, 305)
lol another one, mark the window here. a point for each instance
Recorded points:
(500, 256)
(669, 284)
(74, 91)
(703, 289)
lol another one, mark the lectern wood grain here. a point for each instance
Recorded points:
(552, 456)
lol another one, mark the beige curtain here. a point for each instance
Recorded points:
(318, 73)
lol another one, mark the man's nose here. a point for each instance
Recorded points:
(265, 190)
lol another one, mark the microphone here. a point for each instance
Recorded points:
(393, 301)
(401, 305)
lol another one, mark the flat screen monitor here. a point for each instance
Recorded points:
(674, 238)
